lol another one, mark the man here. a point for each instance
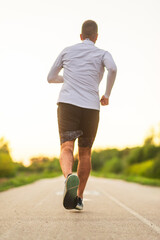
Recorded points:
(79, 106)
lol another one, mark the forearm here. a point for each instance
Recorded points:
(53, 76)
(110, 81)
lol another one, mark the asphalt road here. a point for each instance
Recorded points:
(113, 210)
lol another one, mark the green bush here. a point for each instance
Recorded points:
(155, 170)
(113, 165)
(149, 151)
(19, 167)
(140, 169)
(135, 155)
(44, 164)
(99, 158)
(7, 168)
(53, 166)
(141, 154)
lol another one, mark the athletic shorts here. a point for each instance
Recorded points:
(76, 122)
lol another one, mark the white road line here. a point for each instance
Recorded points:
(94, 193)
(137, 215)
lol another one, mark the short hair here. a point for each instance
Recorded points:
(89, 29)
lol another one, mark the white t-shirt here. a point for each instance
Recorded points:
(83, 66)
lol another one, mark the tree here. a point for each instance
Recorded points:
(7, 168)
(4, 146)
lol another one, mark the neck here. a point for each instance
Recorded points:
(90, 40)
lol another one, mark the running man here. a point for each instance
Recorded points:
(79, 106)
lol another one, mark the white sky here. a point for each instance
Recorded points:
(34, 32)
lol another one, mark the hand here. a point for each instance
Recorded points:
(104, 101)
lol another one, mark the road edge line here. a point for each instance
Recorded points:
(137, 215)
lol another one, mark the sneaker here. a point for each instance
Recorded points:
(70, 192)
(79, 205)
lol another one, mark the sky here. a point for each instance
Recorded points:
(34, 32)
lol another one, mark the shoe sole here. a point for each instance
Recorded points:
(69, 201)
(80, 208)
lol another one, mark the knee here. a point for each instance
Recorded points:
(85, 158)
(84, 166)
(67, 147)
(85, 153)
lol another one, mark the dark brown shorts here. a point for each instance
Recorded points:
(76, 122)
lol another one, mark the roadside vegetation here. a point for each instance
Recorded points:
(14, 174)
(140, 164)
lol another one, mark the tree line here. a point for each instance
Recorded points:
(137, 161)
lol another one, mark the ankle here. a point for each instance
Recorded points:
(67, 175)
(80, 196)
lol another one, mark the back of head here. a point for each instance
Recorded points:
(89, 29)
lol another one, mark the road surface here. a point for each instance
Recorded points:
(113, 210)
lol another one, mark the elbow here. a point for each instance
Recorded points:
(49, 79)
(114, 69)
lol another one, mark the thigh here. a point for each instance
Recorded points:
(68, 117)
(89, 126)
(68, 122)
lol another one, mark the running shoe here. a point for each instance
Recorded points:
(79, 205)
(70, 192)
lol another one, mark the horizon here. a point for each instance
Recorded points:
(153, 132)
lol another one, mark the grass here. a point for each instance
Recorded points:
(131, 178)
(24, 178)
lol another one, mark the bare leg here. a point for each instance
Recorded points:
(84, 168)
(66, 157)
